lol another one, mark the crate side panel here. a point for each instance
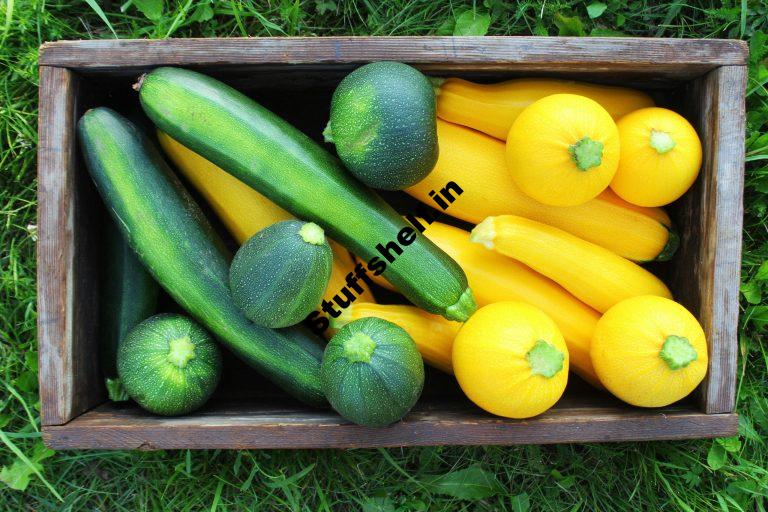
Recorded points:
(238, 426)
(66, 298)
(654, 55)
(708, 267)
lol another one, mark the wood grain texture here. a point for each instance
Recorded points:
(681, 57)
(65, 290)
(708, 266)
(268, 425)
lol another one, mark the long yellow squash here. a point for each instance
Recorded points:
(492, 108)
(593, 274)
(244, 211)
(477, 164)
(496, 278)
(432, 334)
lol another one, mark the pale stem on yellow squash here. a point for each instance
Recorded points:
(484, 233)
(677, 352)
(586, 153)
(181, 351)
(359, 348)
(544, 359)
(662, 142)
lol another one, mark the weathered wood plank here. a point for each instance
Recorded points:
(65, 324)
(241, 426)
(708, 266)
(531, 53)
(723, 124)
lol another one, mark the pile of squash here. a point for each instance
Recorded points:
(561, 188)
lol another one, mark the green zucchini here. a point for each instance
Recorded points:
(169, 365)
(264, 151)
(279, 275)
(178, 246)
(127, 295)
(384, 126)
(372, 372)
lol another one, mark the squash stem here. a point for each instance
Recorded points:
(544, 359)
(662, 142)
(463, 308)
(359, 348)
(587, 153)
(484, 233)
(340, 321)
(181, 351)
(437, 83)
(677, 352)
(115, 390)
(312, 233)
(670, 248)
(328, 133)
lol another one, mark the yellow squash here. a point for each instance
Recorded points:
(432, 334)
(510, 359)
(492, 108)
(591, 273)
(244, 211)
(563, 150)
(477, 164)
(496, 278)
(649, 351)
(658, 214)
(660, 157)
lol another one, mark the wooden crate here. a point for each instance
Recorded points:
(704, 79)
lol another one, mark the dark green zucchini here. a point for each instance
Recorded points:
(264, 151)
(178, 246)
(279, 275)
(127, 295)
(383, 124)
(372, 372)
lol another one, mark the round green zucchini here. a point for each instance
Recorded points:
(279, 275)
(169, 364)
(383, 125)
(372, 372)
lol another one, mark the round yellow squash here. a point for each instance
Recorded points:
(660, 157)
(563, 150)
(510, 359)
(649, 351)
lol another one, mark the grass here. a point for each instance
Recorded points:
(725, 474)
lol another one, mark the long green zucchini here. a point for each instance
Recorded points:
(264, 151)
(180, 249)
(128, 296)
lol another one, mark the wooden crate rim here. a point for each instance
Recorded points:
(69, 404)
(106, 54)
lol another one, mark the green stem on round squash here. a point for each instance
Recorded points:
(312, 233)
(662, 142)
(359, 348)
(677, 352)
(181, 351)
(586, 153)
(544, 359)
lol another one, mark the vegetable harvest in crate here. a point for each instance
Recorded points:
(538, 201)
